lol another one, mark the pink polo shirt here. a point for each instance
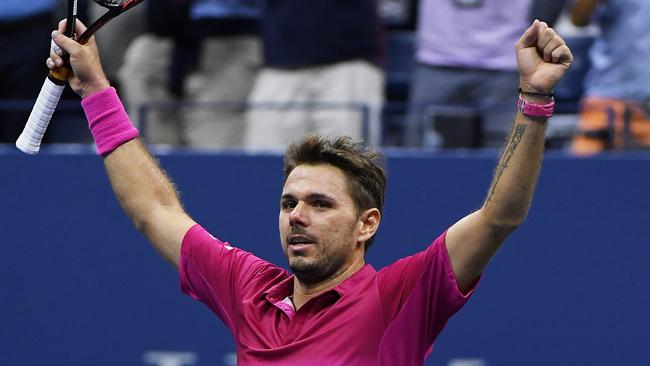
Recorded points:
(390, 317)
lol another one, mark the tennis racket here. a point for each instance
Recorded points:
(30, 139)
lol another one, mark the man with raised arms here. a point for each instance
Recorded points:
(332, 308)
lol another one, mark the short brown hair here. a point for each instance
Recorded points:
(363, 167)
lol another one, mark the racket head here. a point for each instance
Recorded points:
(115, 8)
(122, 5)
(110, 3)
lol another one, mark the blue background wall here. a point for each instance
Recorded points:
(79, 286)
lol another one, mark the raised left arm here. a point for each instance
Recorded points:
(542, 59)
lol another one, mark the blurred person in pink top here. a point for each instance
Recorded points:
(332, 308)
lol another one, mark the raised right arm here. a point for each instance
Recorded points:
(144, 191)
(148, 197)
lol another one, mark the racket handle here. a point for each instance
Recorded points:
(29, 141)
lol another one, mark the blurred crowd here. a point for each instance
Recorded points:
(429, 74)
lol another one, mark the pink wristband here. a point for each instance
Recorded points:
(536, 110)
(108, 121)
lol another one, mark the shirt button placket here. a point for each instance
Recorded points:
(296, 323)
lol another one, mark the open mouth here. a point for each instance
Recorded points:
(299, 239)
(299, 242)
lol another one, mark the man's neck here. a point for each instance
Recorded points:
(303, 292)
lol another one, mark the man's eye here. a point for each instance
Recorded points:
(322, 204)
(287, 205)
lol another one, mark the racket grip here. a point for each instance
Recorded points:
(29, 140)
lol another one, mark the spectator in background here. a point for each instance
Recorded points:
(201, 51)
(319, 56)
(464, 58)
(611, 113)
(116, 36)
(23, 24)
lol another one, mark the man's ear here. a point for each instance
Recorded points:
(368, 224)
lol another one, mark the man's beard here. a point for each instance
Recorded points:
(326, 263)
(316, 270)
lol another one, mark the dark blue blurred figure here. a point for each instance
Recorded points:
(320, 57)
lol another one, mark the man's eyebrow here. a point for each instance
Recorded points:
(310, 196)
(287, 196)
(320, 196)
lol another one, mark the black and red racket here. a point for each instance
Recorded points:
(30, 139)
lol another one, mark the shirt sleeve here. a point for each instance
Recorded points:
(424, 286)
(220, 275)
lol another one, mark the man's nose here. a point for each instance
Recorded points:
(298, 216)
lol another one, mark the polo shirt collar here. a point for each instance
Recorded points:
(284, 288)
(280, 290)
(365, 273)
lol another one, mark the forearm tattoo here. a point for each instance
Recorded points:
(517, 134)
